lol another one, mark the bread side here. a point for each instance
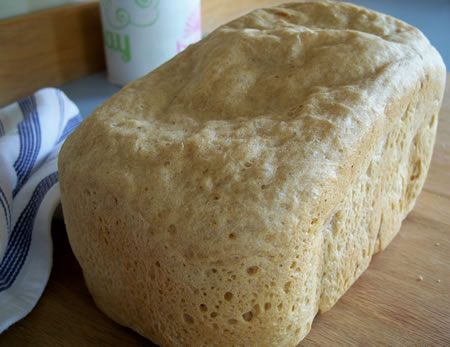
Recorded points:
(374, 206)
(232, 193)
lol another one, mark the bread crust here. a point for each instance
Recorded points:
(231, 194)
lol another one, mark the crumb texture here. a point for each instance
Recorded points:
(243, 186)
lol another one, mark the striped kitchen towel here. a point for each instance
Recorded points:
(31, 133)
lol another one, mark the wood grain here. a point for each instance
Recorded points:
(388, 305)
(218, 12)
(49, 48)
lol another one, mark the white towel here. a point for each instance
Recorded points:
(32, 131)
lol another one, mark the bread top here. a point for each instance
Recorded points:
(256, 131)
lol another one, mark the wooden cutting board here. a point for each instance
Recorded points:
(402, 299)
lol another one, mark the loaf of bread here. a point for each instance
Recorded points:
(231, 194)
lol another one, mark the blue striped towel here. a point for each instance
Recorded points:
(32, 131)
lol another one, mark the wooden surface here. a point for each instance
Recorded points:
(217, 12)
(403, 299)
(49, 48)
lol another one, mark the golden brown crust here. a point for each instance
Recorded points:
(232, 193)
